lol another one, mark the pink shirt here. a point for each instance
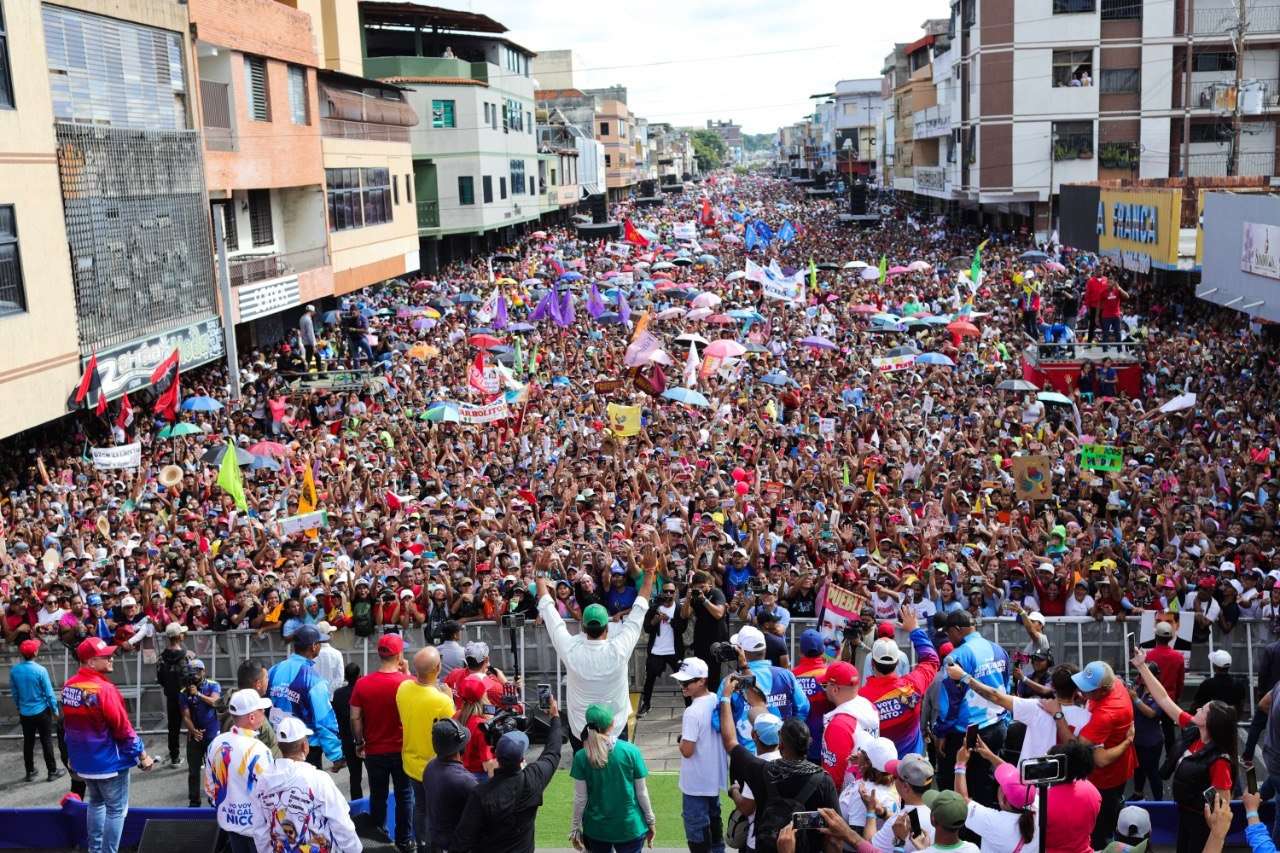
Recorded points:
(1073, 809)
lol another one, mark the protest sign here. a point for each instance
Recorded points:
(827, 427)
(305, 521)
(1031, 481)
(893, 363)
(111, 458)
(685, 231)
(619, 250)
(786, 289)
(624, 420)
(1101, 457)
(843, 607)
(623, 279)
(488, 413)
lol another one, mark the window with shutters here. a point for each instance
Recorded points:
(502, 187)
(255, 86)
(342, 188)
(229, 232)
(13, 296)
(486, 186)
(6, 85)
(442, 114)
(298, 102)
(260, 229)
(376, 191)
(1120, 80)
(466, 189)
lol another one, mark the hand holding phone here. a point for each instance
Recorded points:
(544, 697)
(971, 736)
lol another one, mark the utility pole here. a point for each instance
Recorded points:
(1242, 26)
(1187, 27)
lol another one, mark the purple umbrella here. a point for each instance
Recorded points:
(818, 342)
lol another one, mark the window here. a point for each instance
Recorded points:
(376, 195)
(604, 128)
(502, 187)
(229, 231)
(486, 185)
(493, 116)
(342, 186)
(608, 161)
(13, 299)
(6, 86)
(513, 115)
(1072, 7)
(528, 121)
(255, 86)
(506, 121)
(298, 106)
(1120, 80)
(408, 188)
(1211, 132)
(395, 189)
(442, 114)
(517, 177)
(466, 189)
(488, 109)
(1072, 140)
(1209, 61)
(1072, 68)
(1115, 10)
(260, 218)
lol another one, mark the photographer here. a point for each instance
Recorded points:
(500, 813)
(757, 684)
(199, 703)
(666, 643)
(706, 606)
(170, 668)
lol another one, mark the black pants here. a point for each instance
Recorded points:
(315, 756)
(655, 666)
(575, 744)
(1093, 315)
(355, 770)
(1148, 771)
(173, 715)
(78, 786)
(1257, 725)
(383, 768)
(1193, 831)
(310, 356)
(1109, 814)
(41, 725)
(420, 829)
(978, 773)
(195, 765)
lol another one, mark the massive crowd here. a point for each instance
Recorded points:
(770, 464)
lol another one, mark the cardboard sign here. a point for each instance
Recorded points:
(306, 521)
(111, 458)
(1031, 478)
(827, 427)
(496, 411)
(893, 363)
(1101, 457)
(608, 386)
(685, 231)
(624, 420)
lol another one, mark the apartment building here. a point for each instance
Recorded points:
(731, 135)
(557, 131)
(914, 92)
(475, 151)
(614, 130)
(858, 114)
(671, 153)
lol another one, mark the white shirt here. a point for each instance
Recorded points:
(747, 795)
(1042, 729)
(47, 617)
(665, 642)
(886, 842)
(1209, 609)
(596, 670)
(704, 773)
(297, 804)
(234, 763)
(330, 667)
(1078, 608)
(854, 810)
(998, 830)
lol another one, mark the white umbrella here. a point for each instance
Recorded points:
(735, 275)
(699, 314)
(668, 313)
(691, 338)
(870, 273)
(706, 299)
(1179, 403)
(919, 266)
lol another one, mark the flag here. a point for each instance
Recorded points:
(500, 318)
(475, 374)
(558, 267)
(88, 392)
(624, 420)
(488, 308)
(624, 309)
(884, 268)
(642, 347)
(532, 366)
(845, 478)
(641, 325)
(542, 310)
(632, 236)
(813, 275)
(691, 368)
(308, 500)
(566, 310)
(749, 238)
(787, 233)
(975, 269)
(764, 232)
(595, 304)
(165, 379)
(708, 218)
(229, 477)
(125, 417)
(517, 357)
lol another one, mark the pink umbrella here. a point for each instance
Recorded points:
(898, 270)
(725, 348)
(670, 313)
(699, 314)
(706, 300)
(1055, 266)
(721, 320)
(865, 309)
(609, 274)
(268, 448)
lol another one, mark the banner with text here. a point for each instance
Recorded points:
(306, 521)
(686, 231)
(892, 363)
(124, 456)
(486, 414)
(1101, 457)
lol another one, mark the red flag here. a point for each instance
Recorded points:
(165, 379)
(475, 374)
(632, 236)
(88, 392)
(708, 218)
(125, 417)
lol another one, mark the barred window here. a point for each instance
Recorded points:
(1120, 80)
(6, 86)
(376, 195)
(260, 228)
(517, 177)
(298, 101)
(466, 189)
(256, 89)
(342, 188)
(13, 298)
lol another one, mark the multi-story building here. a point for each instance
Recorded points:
(858, 108)
(731, 135)
(556, 132)
(914, 93)
(613, 130)
(893, 73)
(821, 148)
(475, 150)
(553, 69)
(645, 169)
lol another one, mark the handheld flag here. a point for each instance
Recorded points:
(884, 268)
(595, 304)
(975, 269)
(708, 218)
(845, 479)
(307, 500)
(88, 392)
(813, 275)
(787, 233)
(624, 309)
(624, 420)
(500, 318)
(517, 357)
(165, 378)
(125, 417)
(632, 236)
(229, 477)
(749, 238)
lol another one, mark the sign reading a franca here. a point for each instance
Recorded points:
(1138, 223)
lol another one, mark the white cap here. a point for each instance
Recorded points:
(173, 629)
(128, 601)
(1133, 822)
(1035, 616)
(1045, 567)
(691, 668)
(879, 750)
(292, 730)
(885, 650)
(749, 639)
(247, 701)
(326, 630)
(1220, 658)
(1164, 629)
(1227, 566)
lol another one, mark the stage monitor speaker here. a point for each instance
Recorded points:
(599, 208)
(820, 182)
(189, 836)
(858, 198)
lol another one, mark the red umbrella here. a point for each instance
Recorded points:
(484, 341)
(865, 309)
(962, 328)
(269, 448)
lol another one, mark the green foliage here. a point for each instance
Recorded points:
(709, 149)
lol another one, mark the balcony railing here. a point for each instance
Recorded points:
(247, 270)
(1249, 163)
(930, 122)
(428, 214)
(1221, 20)
(340, 128)
(1202, 94)
(215, 108)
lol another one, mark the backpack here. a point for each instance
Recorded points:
(362, 618)
(735, 831)
(170, 668)
(778, 809)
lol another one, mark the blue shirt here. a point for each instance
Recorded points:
(299, 691)
(783, 694)
(32, 690)
(203, 715)
(987, 663)
(618, 600)
(784, 615)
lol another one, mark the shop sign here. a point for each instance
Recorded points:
(1139, 229)
(1260, 249)
(128, 368)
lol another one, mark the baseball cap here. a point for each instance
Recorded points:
(292, 730)
(94, 647)
(767, 727)
(1020, 796)
(843, 674)
(599, 717)
(306, 636)
(471, 689)
(811, 643)
(1090, 678)
(1221, 658)
(449, 737)
(1035, 616)
(1164, 629)
(912, 768)
(1206, 583)
(960, 619)
(595, 614)
(128, 601)
(475, 651)
(885, 650)
(884, 629)
(390, 645)
(511, 748)
(691, 668)
(28, 648)
(949, 809)
(173, 629)
(749, 639)
(879, 750)
(326, 630)
(247, 701)
(1133, 822)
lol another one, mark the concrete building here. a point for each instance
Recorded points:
(731, 135)
(858, 111)
(556, 132)
(613, 131)
(553, 69)
(914, 92)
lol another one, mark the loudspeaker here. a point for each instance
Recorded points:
(858, 198)
(820, 182)
(599, 208)
(648, 187)
(190, 836)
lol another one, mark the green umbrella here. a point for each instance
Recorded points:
(175, 430)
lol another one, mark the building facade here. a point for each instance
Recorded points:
(731, 135)
(858, 109)
(614, 132)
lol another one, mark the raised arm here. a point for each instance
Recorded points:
(1154, 687)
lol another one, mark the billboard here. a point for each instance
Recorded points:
(1139, 229)
(1242, 253)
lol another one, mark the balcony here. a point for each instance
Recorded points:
(428, 214)
(246, 269)
(1251, 164)
(338, 128)
(931, 122)
(215, 107)
(1202, 94)
(1221, 20)
(383, 67)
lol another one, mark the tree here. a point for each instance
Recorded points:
(709, 149)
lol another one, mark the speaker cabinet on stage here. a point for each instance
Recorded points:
(599, 208)
(858, 198)
(189, 836)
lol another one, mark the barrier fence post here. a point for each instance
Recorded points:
(1248, 645)
(1080, 643)
(137, 684)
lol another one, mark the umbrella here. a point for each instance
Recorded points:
(539, 235)
(505, 280)
(691, 338)
(1054, 266)
(330, 318)
(818, 342)
(498, 349)
(442, 413)
(1033, 257)
(422, 351)
(179, 429)
(706, 300)
(687, 396)
(709, 260)
(962, 328)
(1016, 385)
(531, 282)
(669, 313)
(200, 404)
(746, 314)
(864, 308)
(267, 462)
(721, 320)
(609, 317)
(886, 318)
(869, 273)
(661, 356)
(507, 357)
(422, 324)
(699, 314)
(213, 456)
(662, 265)
(827, 265)
(269, 448)
(938, 320)
(441, 302)
(684, 262)
(778, 379)
(755, 347)
(506, 257)
(725, 348)
(735, 275)
(897, 270)
(571, 276)
(1179, 403)
(919, 266)
(935, 358)
(484, 341)
(468, 298)
(906, 349)
(1053, 397)
(521, 327)
(856, 265)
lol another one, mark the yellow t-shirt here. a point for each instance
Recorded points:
(420, 706)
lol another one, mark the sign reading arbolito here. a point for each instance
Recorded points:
(1139, 228)
(1101, 457)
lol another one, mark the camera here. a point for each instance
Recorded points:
(745, 683)
(1046, 770)
(724, 652)
(513, 620)
(503, 722)
(191, 677)
(695, 594)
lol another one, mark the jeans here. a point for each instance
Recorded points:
(383, 768)
(173, 716)
(419, 808)
(593, 846)
(702, 825)
(1148, 771)
(1111, 329)
(32, 726)
(1273, 782)
(241, 843)
(195, 767)
(108, 805)
(1109, 815)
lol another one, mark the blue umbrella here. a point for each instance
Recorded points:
(331, 318)
(560, 382)
(745, 314)
(609, 317)
(687, 396)
(442, 412)
(521, 327)
(264, 462)
(938, 320)
(1033, 256)
(200, 404)
(778, 379)
(709, 260)
(935, 358)
(571, 276)
(467, 298)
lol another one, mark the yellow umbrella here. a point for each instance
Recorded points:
(506, 280)
(432, 313)
(423, 351)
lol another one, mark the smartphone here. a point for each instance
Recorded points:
(1211, 797)
(1251, 779)
(808, 820)
(971, 736)
(544, 697)
(913, 817)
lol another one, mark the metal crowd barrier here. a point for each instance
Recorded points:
(527, 652)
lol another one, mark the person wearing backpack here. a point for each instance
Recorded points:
(788, 784)
(171, 668)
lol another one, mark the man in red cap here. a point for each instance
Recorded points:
(32, 692)
(378, 736)
(101, 743)
(852, 712)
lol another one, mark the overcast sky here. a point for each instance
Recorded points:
(682, 60)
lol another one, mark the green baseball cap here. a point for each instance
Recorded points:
(599, 717)
(595, 614)
(949, 809)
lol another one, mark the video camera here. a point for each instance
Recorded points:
(724, 652)
(514, 620)
(191, 677)
(503, 722)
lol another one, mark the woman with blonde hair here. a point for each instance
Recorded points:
(611, 810)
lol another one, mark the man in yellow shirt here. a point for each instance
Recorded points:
(421, 703)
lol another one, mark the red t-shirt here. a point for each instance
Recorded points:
(375, 696)
(477, 750)
(1220, 770)
(1111, 303)
(1093, 289)
(493, 687)
(1108, 725)
(1173, 669)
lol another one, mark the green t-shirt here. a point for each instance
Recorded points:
(612, 812)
